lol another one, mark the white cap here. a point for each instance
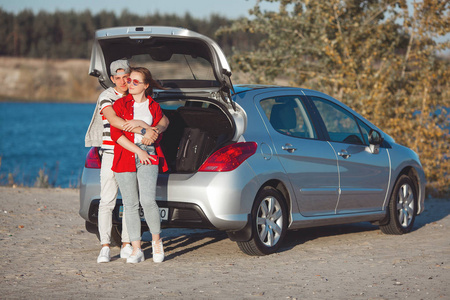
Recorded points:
(120, 64)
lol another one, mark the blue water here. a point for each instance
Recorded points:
(47, 136)
(43, 136)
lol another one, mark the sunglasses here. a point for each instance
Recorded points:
(134, 81)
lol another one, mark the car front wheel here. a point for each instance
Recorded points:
(269, 223)
(402, 208)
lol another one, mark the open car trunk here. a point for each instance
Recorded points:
(178, 58)
(195, 76)
(197, 129)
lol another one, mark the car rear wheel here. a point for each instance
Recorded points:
(269, 223)
(402, 208)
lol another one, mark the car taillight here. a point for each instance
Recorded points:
(229, 157)
(93, 160)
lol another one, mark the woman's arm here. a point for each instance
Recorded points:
(144, 157)
(118, 136)
(116, 121)
(131, 125)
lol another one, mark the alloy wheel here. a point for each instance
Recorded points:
(269, 221)
(405, 205)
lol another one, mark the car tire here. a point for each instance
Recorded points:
(269, 223)
(402, 208)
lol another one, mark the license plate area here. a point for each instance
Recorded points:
(163, 213)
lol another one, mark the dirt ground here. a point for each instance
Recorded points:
(47, 253)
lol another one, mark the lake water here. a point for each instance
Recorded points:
(43, 136)
(47, 136)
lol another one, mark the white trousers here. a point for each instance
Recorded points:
(108, 195)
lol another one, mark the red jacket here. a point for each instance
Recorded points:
(124, 160)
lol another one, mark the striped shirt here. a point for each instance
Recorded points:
(107, 98)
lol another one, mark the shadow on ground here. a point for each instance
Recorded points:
(180, 241)
(188, 240)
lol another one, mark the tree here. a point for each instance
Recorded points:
(374, 55)
(69, 34)
(6, 26)
(23, 32)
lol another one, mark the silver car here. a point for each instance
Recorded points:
(271, 158)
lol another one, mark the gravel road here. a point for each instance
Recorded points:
(47, 254)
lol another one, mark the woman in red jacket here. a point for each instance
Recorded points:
(136, 165)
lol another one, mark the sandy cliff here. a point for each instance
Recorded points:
(47, 80)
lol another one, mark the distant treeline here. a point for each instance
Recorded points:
(69, 34)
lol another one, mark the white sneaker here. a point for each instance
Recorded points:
(134, 259)
(157, 251)
(105, 255)
(126, 251)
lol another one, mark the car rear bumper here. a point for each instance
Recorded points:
(180, 215)
(220, 201)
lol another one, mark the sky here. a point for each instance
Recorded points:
(197, 8)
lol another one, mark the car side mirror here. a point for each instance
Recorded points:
(375, 137)
(375, 140)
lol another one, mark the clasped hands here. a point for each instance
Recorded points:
(150, 136)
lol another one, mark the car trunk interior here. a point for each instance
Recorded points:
(194, 117)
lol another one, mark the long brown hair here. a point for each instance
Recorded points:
(148, 79)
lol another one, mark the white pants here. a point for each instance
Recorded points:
(108, 195)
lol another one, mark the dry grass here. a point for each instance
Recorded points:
(51, 80)
(47, 80)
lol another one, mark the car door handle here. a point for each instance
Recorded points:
(344, 154)
(289, 148)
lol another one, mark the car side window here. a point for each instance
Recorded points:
(340, 124)
(288, 116)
